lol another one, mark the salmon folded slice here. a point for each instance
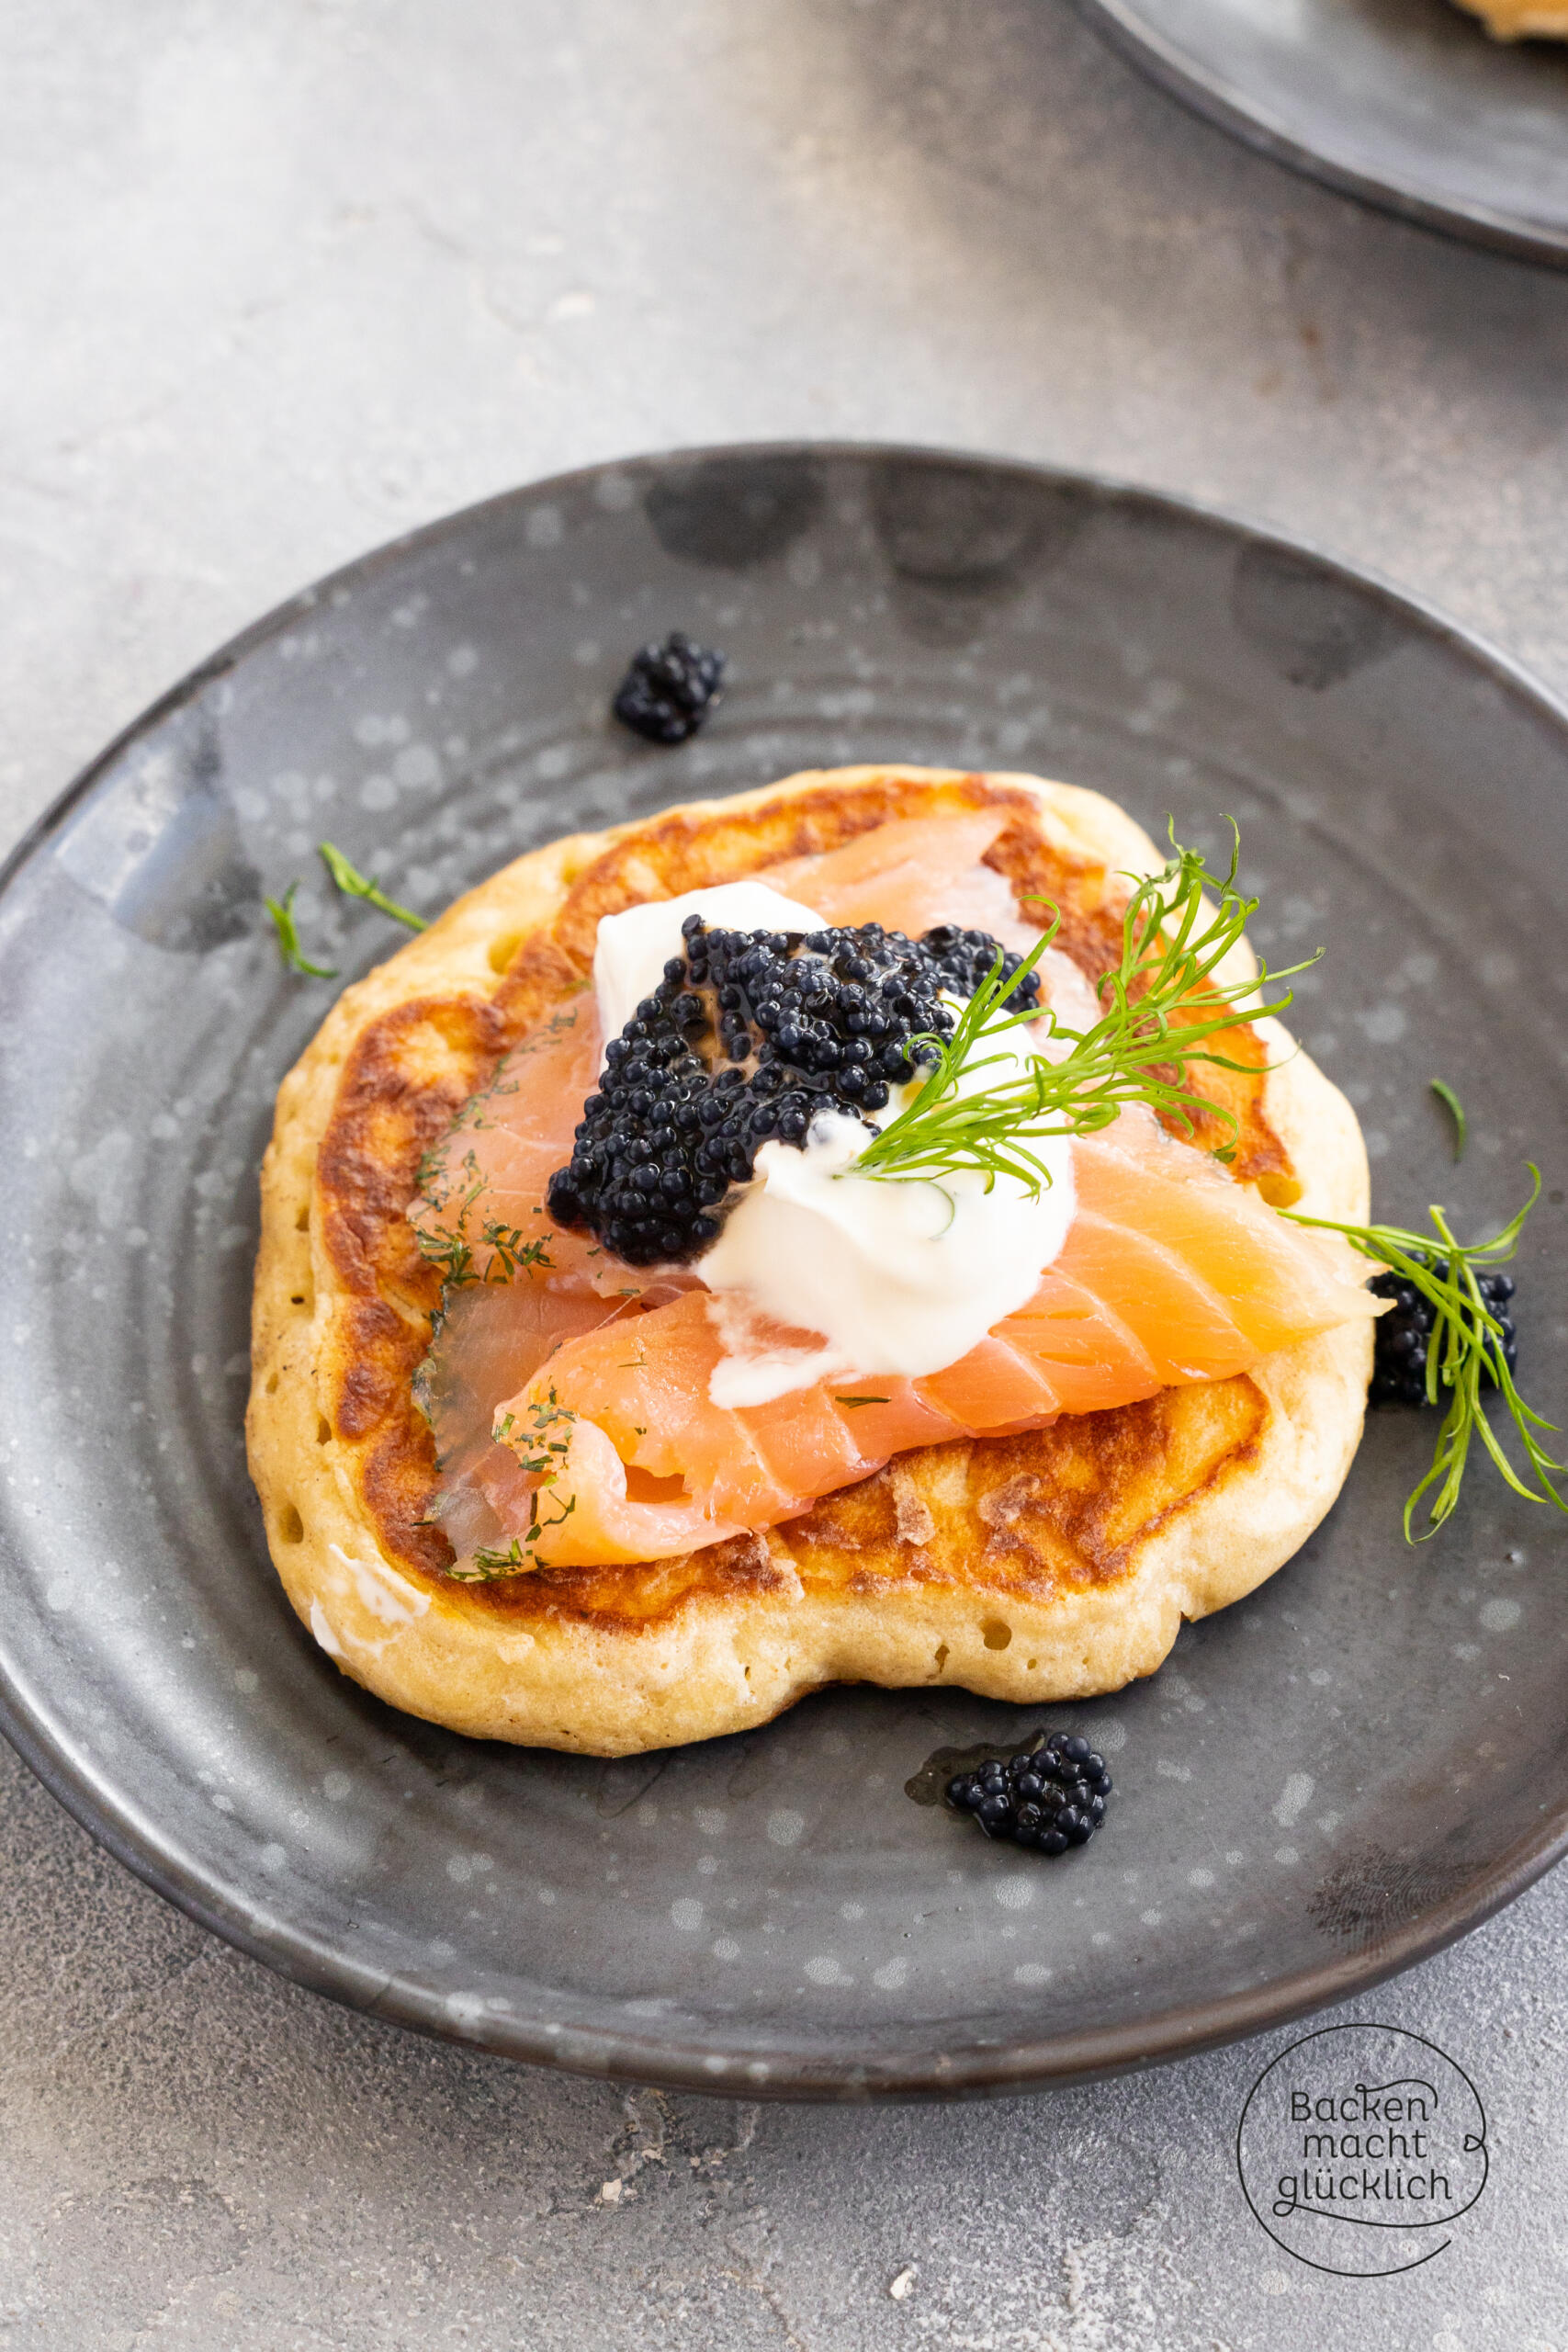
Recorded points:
(517, 1286)
(911, 875)
(1171, 1274)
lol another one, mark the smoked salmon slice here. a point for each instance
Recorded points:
(1171, 1274)
(481, 1205)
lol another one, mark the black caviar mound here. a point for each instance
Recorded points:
(670, 689)
(749, 1034)
(1404, 1335)
(1048, 1797)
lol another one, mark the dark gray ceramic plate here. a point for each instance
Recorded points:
(1323, 1783)
(1406, 103)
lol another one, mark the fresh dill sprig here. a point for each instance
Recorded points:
(1455, 1108)
(1138, 1052)
(288, 948)
(1466, 1347)
(354, 885)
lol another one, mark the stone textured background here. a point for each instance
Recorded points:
(280, 281)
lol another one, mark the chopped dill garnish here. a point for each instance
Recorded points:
(1466, 1346)
(448, 1249)
(1138, 1052)
(534, 1447)
(489, 1562)
(288, 948)
(449, 1253)
(447, 1246)
(354, 885)
(510, 1253)
(1455, 1108)
(538, 1453)
(860, 1401)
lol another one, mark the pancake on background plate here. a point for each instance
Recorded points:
(1140, 1443)
(1520, 19)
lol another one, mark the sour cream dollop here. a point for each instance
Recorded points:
(899, 1278)
(902, 1277)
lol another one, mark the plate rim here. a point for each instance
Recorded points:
(1222, 102)
(109, 1814)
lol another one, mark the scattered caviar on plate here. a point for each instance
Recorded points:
(1048, 1797)
(669, 690)
(1405, 1334)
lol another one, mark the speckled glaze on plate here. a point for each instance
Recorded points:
(1323, 1784)
(1408, 103)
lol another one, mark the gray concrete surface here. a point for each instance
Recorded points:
(279, 280)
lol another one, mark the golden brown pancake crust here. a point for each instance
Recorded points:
(1027, 1567)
